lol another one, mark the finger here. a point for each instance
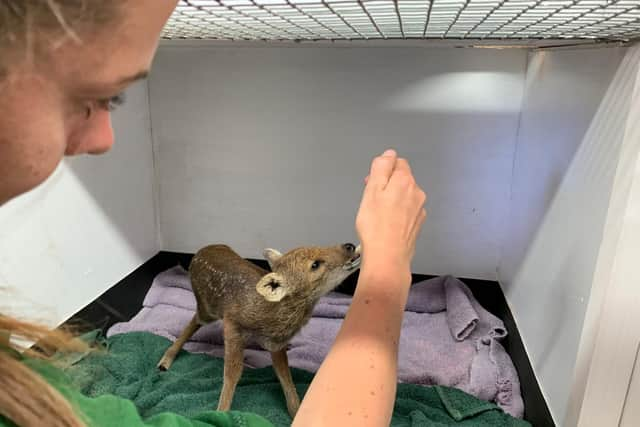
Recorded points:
(402, 173)
(403, 165)
(381, 170)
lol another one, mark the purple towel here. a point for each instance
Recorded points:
(447, 337)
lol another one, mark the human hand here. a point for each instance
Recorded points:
(391, 213)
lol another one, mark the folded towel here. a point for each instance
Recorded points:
(447, 337)
(192, 385)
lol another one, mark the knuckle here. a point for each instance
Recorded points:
(405, 179)
(404, 174)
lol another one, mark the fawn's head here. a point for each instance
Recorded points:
(307, 273)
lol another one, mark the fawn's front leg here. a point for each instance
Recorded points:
(281, 366)
(233, 358)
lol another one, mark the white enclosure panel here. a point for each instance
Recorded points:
(603, 282)
(262, 147)
(84, 229)
(572, 125)
(631, 412)
(610, 337)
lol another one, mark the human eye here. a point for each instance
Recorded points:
(111, 103)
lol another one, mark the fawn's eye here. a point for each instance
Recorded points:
(315, 265)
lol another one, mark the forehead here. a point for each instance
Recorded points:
(116, 50)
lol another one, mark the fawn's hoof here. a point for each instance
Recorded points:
(164, 364)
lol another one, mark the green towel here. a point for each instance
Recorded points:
(192, 385)
(108, 410)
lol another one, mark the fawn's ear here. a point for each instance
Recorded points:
(272, 287)
(271, 255)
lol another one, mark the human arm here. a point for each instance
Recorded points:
(356, 383)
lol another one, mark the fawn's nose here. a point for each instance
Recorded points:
(349, 247)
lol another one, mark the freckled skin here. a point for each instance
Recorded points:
(224, 285)
(49, 84)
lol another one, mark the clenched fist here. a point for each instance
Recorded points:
(391, 213)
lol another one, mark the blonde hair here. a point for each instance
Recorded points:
(31, 28)
(26, 398)
(28, 30)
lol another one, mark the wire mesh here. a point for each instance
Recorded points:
(405, 19)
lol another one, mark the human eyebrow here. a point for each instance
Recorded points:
(105, 89)
(140, 75)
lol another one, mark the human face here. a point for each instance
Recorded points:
(61, 105)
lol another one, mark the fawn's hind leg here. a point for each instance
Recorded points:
(170, 354)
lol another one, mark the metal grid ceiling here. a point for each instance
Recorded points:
(405, 19)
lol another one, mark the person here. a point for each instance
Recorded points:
(63, 66)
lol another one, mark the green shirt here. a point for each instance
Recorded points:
(112, 411)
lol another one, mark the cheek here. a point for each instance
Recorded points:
(32, 143)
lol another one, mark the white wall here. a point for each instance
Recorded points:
(567, 154)
(269, 146)
(84, 229)
(611, 328)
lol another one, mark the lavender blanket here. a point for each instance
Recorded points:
(447, 337)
